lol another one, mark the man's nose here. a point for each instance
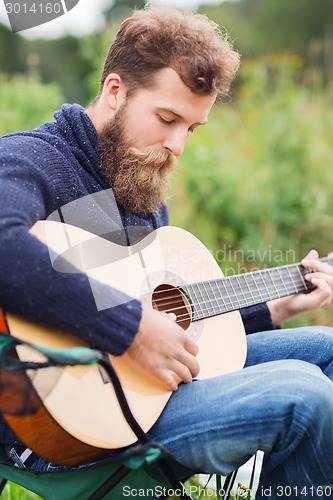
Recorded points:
(175, 145)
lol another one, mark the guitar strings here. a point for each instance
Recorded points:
(214, 304)
(265, 288)
(215, 308)
(246, 296)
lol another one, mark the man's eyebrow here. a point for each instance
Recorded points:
(177, 115)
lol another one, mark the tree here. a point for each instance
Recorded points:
(121, 9)
(12, 51)
(26, 102)
(265, 26)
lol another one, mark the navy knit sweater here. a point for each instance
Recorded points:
(42, 170)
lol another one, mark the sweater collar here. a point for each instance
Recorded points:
(76, 126)
(79, 132)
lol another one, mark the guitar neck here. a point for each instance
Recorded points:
(210, 298)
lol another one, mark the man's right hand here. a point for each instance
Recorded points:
(164, 349)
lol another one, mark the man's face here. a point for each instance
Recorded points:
(139, 146)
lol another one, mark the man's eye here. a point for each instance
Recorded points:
(166, 122)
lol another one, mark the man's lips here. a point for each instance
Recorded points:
(158, 164)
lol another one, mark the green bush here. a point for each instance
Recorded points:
(259, 173)
(26, 102)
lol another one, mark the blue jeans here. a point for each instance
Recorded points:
(280, 403)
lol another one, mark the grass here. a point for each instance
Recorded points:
(15, 492)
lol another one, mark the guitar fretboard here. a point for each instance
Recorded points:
(213, 297)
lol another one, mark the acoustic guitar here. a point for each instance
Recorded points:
(79, 418)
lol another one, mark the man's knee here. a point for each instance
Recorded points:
(304, 392)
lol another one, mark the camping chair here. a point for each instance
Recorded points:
(146, 466)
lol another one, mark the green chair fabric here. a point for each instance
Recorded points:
(138, 475)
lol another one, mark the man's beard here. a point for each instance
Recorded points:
(137, 185)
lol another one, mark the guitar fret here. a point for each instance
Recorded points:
(264, 283)
(278, 283)
(291, 281)
(302, 278)
(300, 283)
(282, 280)
(228, 301)
(261, 290)
(225, 308)
(203, 302)
(255, 284)
(248, 287)
(228, 281)
(196, 304)
(215, 298)
(269, 272)
(238, 279)
(295, 282)
(210, 299)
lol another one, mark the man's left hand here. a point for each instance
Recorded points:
(322, 278)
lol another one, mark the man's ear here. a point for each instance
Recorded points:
(114, 91)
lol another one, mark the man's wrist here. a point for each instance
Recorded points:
(279, 311)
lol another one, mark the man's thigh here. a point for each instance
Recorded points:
(311, 344)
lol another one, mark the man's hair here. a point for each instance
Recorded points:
(160, 37)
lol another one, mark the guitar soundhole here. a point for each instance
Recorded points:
(169, 299)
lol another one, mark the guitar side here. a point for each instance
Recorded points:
(81, 402)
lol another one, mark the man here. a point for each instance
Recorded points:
(161, 77)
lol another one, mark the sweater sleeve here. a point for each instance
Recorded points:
(257, 318)
(30, 287)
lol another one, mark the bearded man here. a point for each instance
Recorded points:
(162, 75)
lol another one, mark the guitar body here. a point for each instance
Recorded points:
(81, 405)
